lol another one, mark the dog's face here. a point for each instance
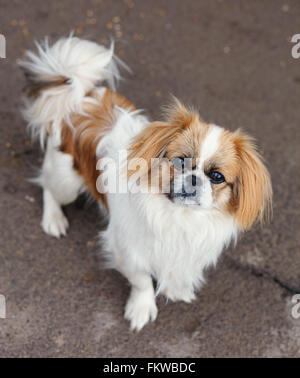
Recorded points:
(210, 167)
(199, 177)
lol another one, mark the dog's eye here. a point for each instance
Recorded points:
(216, 177)
(178, 163)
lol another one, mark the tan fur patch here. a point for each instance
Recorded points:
(34, 87)
(225, 161)
(181, 135)
(253, 189)
(247, 191)
(81, 141)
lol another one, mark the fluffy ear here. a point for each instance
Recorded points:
(153, 141)
(252, 189)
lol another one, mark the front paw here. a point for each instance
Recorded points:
(140, 308)
(185, 295)
(55, 223)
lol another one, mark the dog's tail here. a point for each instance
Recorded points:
(58, 78)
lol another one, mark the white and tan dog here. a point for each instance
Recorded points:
(218, 185)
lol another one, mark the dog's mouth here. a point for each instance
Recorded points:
(182, 195)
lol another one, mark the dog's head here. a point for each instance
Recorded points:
(204, 166)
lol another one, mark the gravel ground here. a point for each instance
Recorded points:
(232, 59)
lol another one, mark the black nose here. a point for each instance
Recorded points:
(194, 180)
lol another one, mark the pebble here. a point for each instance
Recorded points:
(109, 25)
(226, 50)
(90, 13)
(29, 199)
(285, 8)
(91, 21)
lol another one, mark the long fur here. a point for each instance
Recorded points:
(148, 235)
(63, 74)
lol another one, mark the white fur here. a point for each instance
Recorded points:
(203, 198)
(210, 143)
(83, 62)
(208, 149)
(61, 184)
(53, 222)
(148, 236)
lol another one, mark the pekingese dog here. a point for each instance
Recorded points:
(176, 191)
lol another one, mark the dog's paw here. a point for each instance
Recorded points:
(185, 295)
(55, 223)
(140, 309)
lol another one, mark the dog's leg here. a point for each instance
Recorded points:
(61, 185)
(54, 221)
(140, 307)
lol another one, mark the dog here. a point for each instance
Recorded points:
(185, 188)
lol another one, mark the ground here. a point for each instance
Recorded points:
(230, 59)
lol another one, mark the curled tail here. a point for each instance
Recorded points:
(58, 78)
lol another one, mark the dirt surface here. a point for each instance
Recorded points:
(231, 59)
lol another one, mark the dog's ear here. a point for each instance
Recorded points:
(252, 188)
(153, 141)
